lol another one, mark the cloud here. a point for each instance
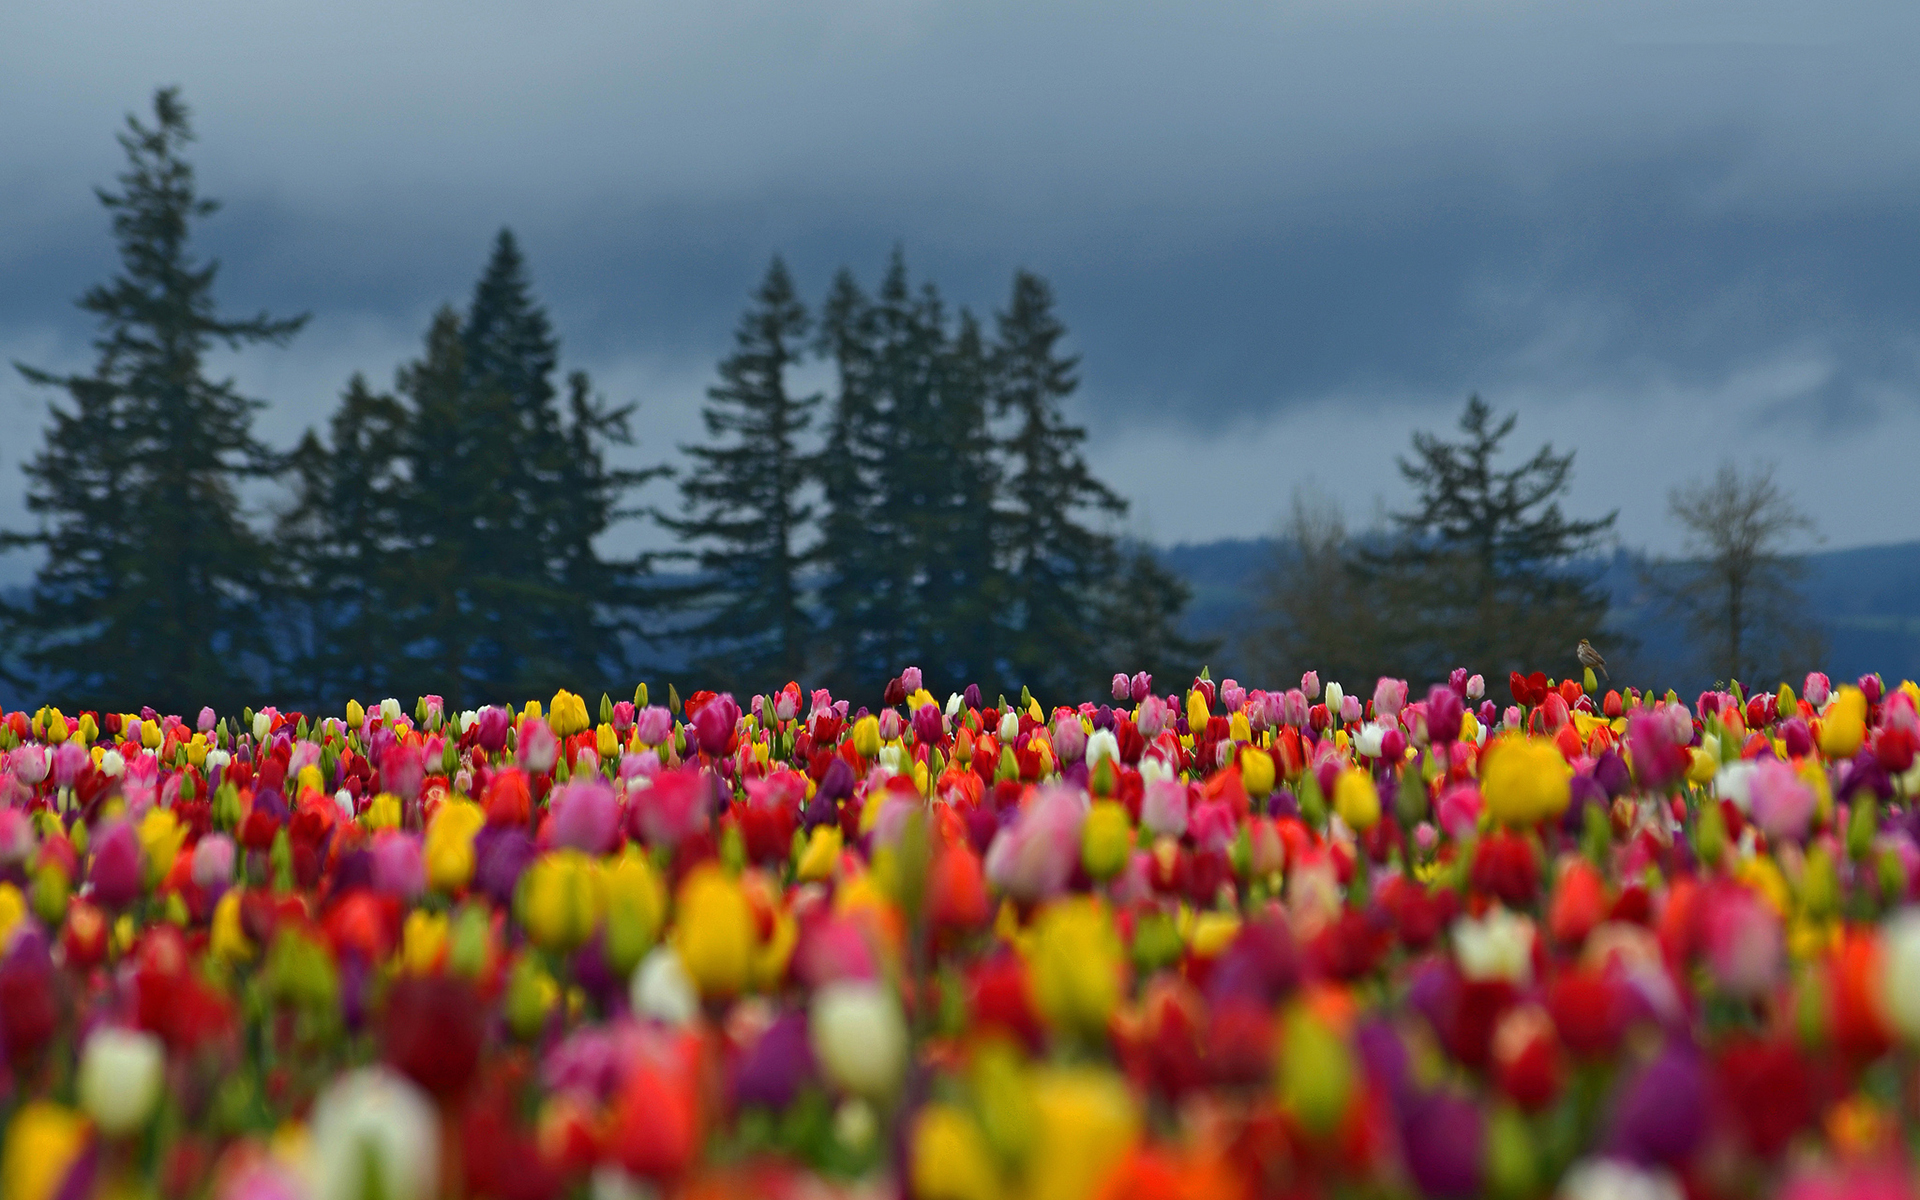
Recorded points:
(1264, 221)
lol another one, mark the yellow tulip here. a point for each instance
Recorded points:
(1525, 781)
(821, 856)
(43, 1140)
(161, 836)
(1086, 1122)
(714, 932)
(13, 908)
(866, 736)
(448, 850)
(562, 898)
(1106, 839)
(1844, 726)
(1356, 799)
(423, 941)
(1077, 963)
(383, 812)
(569, 714)
(636, 908)
(1702, 765)
(228, 941)
(951, 1158)
(1256, 771)
(1197, 713)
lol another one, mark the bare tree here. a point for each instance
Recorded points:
(1313, 611)
(1738, 590)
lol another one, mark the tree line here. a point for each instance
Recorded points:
(445, 535)
(931, 507)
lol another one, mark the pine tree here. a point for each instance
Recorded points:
(1058, 565)
(744, 502)
(908, 543)
(1139, 621)
(151, 586)
(1483, 573)
(344, 542)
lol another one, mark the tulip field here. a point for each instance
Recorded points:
(1513, 939)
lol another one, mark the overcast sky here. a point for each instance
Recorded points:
(1284, 235)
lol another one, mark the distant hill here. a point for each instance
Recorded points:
(1866, 600)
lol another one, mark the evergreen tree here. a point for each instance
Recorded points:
(493, 493)
(1058, 565)
(1138, 619)
(151, 586)
(858, 634)
(343, 539)
(1483, 572)
(744, 502)
(907, 541)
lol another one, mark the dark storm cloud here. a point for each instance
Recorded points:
(1261, 220)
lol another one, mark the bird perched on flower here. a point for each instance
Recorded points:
(1590, 658)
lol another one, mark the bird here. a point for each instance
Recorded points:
(1589, 657)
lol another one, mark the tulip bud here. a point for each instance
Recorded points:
(1121, 687)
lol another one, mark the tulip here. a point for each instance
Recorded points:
(1106, 840)
(374, 1134)
(859, 1037)
(636, 908)
(584, 815)
(120, 1078)
(1316, 1071)
(398, 866)
(538, 749)
(952, 1159)
(661, 990)
(1843, 728)
(714, 933)
(561, 900)
(449, 846)
(1356, 800)
(1078, 966)
(115, 872)
(1525, 781)
(43, 1143)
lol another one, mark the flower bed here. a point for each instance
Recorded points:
(1214, 943)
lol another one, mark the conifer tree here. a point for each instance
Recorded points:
(744, 502)
(1484, 572)
(150, 590)
(1058, 565)
(907, 539)
(343, 537)
(493, 587)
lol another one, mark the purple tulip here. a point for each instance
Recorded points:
(713, 725)
(494, 723)
(1660, 1114)
(1444, 715)
(1444, 1139)
(778, 1065)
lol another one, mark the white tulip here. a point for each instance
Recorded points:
(1497, 946)
(859, 1036)
(113, 764)
(1614, 1179)
(373, 1126)
(1102, 744)
(1900, 972)
(121, 1072)
(1009, 727)
(660, 988)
